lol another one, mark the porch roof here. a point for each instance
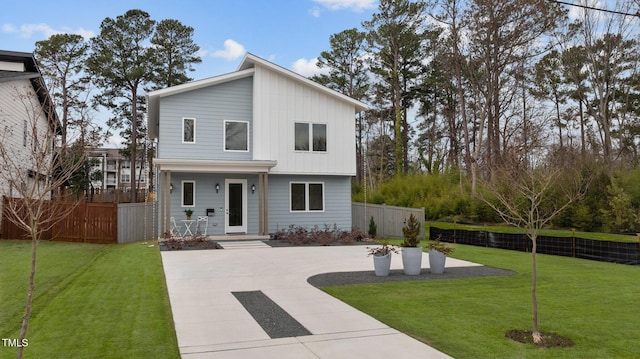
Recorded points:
(213, 166)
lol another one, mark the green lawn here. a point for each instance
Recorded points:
(593, 303)
(91, 301)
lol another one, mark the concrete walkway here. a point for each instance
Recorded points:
(211, 323)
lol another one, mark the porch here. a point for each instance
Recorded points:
(232, 195)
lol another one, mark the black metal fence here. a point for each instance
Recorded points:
(604, 251)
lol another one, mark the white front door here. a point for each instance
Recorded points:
(235, 204)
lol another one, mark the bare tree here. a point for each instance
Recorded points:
(530, 195)
(33, 171)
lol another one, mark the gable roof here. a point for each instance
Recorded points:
(30, 72)
(250, 61)
(246, 69)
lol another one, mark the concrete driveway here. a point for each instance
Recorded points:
(211, 322)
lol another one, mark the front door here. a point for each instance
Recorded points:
(235, 219)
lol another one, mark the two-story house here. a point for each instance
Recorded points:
(27, 116)
(256, 150)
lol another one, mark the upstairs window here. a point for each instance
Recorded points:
(310, 137)
(188, 130)
(236, 136)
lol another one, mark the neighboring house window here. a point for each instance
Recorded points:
(188, 130)
(188, 193)
(307, 197)
(310, 137)
(236, 136)
(25, 133)
(126, 164)
(126, 178)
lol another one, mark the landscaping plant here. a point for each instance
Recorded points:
(410, 231)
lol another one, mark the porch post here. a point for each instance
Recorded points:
(167, 203)
(266, 203)
(260, 204)
(161, 198)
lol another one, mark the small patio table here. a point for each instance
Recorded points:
(187, 224)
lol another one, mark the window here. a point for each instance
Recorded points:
(307, 197)
(312, 137)
(188, 130)
(25, 133)
(126, 164)
(302, 136)
(125, 178)
(188, 193)
(319, 136)
(236, 136)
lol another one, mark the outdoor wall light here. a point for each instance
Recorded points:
(171, 188)
(253, 188)
(217, 187)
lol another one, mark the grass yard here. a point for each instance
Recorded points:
(91, 301)
(593, 303)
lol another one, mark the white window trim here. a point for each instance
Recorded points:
(306, 197)
(224, 136)
(182, 193)
(311, 150)
(194, 130)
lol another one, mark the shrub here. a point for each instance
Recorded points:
(411, 231)
(373, 228)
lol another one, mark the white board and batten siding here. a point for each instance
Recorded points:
(280, 102)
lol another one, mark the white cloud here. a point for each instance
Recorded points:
(355, 5)
(315, 11)
(28, 30)
(308, 68)
(9, 28)
(232, 50)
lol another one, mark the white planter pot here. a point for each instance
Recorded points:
(382, 265)
(412, 260)
(436, 261)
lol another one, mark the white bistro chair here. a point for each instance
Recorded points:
(205, 222)
(175, 230)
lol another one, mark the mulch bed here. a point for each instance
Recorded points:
(549, 340)
(176, 244)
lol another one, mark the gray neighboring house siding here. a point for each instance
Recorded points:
(210, 106)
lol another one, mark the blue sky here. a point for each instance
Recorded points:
(290, 33)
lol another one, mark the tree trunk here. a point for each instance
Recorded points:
(32, 284)
(537, 337)
(134, 142)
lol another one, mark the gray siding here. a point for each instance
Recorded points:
(206, 197)
(210, 106)
(337, 203)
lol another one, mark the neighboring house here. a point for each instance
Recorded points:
(116, 170)
(25, 107)
(256, 150)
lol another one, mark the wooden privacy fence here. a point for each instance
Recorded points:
(389, 219)
(103, 223)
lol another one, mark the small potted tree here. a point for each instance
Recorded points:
(411, 252)
(438, 253)
(188, 213)
(382, 259)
